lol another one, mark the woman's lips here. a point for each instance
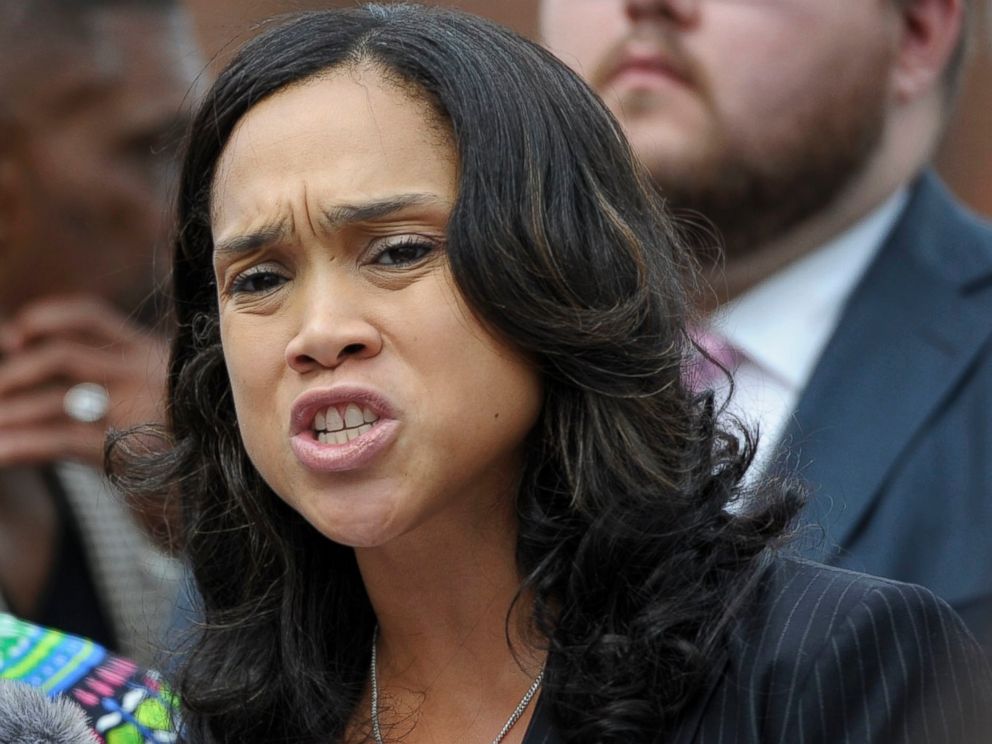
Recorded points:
(322, 457)
(341, 428)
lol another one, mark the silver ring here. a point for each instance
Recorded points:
(86, 402)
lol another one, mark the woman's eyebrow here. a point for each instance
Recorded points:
(345, 214)
(334, 217)
(264, 236)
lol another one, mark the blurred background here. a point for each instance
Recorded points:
(965, 161)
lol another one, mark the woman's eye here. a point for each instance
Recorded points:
(256, 281)
(406, 252)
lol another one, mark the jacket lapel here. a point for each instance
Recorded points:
(908, 334)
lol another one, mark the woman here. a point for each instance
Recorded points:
(431, 433)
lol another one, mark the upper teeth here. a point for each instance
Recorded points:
(333, 428)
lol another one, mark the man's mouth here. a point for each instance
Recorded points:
(641, 59)
(648, 65)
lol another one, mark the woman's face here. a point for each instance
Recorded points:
(367, 395)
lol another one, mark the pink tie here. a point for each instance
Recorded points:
(703, 373)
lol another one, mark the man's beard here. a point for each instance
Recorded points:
(756, 195)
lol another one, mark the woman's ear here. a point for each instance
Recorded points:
(931, 31)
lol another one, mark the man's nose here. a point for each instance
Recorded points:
(679, 11)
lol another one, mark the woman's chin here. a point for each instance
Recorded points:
(369, 532)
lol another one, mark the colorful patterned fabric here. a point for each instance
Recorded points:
(125, 703)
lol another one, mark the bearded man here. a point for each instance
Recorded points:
(854, 298)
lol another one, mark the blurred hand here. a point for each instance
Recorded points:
(55, 343)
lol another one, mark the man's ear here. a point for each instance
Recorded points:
(931, 31)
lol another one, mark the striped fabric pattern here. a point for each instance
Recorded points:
(829, 656)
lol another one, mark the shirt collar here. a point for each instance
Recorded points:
(783, 323)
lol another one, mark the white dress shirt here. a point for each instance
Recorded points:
(783, 324)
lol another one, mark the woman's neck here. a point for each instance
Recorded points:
(442, 599)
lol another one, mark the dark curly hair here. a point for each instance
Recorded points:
(558, 244)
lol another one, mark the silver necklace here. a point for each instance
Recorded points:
(514, 717)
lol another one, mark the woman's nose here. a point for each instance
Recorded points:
(331, 332)
(681, 11)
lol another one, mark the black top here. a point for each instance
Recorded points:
(825, 656)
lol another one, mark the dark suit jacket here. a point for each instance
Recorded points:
(894, 429)
(827, 656)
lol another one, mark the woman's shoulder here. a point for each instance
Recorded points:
(797, 597)
(804, 612)
(123, 702)
(823, 653)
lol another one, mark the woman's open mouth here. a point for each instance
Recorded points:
(341, 428)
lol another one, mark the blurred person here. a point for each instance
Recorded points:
(854, 302)
(91, 102)
(443, 479)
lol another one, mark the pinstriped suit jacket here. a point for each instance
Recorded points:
(827, 656)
